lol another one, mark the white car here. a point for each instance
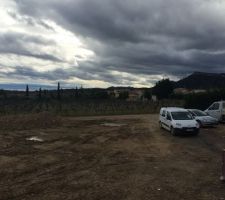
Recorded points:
(217, 110)
(203, 118)
(178, 121)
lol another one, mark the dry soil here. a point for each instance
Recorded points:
(113, 157)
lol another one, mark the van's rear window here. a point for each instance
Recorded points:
(223, 105)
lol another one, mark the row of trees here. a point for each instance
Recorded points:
(54, 99)
(164, 90)
(80, 93)
(43, 93)
(40, 91)
(203, 100)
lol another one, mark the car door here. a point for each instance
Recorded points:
(163, 117)
(209, 111)
(168, 120)
(214, 110)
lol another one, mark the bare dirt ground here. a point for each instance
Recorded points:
(114, 157)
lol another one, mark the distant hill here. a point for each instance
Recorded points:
(201, 80)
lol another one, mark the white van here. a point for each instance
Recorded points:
(178, 121)
(217, 110)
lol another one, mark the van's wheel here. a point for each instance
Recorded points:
(160, 125)
(173, 132)
(200, 124)
(196, 133)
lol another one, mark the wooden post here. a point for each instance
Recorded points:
(222, 178)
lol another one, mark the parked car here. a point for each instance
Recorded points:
(178, 121)
(203, 118)
(217, 110)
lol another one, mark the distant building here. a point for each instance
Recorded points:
(135, 95)
(111, 93)
(181, 91)
(154, 98)
(117, 92)
(199, 91)
(187, 91)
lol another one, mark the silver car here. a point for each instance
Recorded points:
(203, 118)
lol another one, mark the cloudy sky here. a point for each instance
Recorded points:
(99, 43)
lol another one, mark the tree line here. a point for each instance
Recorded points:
(163, 89)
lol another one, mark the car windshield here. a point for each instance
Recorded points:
(199, 113)
(181, 115)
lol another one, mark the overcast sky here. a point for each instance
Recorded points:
(100, 43)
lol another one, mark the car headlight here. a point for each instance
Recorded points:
(197, 125)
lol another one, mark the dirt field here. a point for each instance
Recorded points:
(117, 157)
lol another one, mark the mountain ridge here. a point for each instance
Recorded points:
(202, 80)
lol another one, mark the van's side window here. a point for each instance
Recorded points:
(215, 106)
(164, 113)
(168, 116)
(211, 107)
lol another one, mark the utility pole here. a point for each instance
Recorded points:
(27, 91)
(58, 92)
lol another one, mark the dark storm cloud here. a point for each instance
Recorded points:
(19, 72)
(26, 72)
(18, 44)
(148, 37)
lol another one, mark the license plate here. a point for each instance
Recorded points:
(190, 129)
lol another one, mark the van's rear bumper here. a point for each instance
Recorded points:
(187, 130)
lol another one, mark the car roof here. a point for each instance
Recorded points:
(174, 109)
(195, 110)
(218, 102)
